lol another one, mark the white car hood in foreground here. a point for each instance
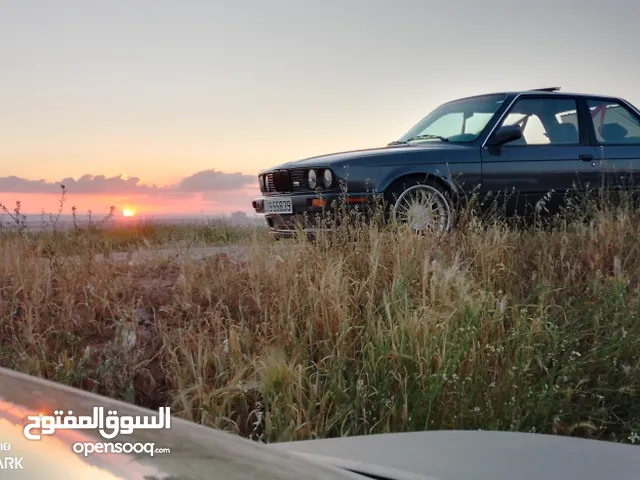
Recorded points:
(477, 455)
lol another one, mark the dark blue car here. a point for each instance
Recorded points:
(519, 149)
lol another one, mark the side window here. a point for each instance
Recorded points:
(614, 123)
(533, 132)
(545, 121)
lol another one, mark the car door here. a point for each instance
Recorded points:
(615, 130)
(553, 158)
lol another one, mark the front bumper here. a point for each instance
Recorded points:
(306, 209)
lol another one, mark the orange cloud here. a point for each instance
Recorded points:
(208, 191)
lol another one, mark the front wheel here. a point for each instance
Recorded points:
(424, 206)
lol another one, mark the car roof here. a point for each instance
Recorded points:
(550, 91)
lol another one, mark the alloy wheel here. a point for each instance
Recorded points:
(424, 209)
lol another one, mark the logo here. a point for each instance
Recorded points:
(89, 448)
(109, 426)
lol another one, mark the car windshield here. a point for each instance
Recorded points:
(458, 121)
(181, 450)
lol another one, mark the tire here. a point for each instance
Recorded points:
(423, 205)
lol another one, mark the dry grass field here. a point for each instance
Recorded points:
(489, 327)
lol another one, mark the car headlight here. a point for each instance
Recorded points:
(328, 178)
(261, 182)
(313, 179)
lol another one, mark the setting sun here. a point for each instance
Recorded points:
(128, 212)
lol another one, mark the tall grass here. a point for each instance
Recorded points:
(377, 330)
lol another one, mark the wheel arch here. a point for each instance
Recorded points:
(410, 177)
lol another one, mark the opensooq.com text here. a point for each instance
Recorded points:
(88, 448)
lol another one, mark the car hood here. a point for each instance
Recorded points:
(196, 451)
(343, 157)
(475, 455)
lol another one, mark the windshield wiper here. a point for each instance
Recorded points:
(426, 136)
(417, 137)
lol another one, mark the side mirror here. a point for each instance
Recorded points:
(505, 135)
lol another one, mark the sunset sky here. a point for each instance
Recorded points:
(173, 107)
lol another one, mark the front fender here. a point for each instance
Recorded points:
(450, 176)
(461, 178)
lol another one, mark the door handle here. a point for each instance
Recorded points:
(585, 157)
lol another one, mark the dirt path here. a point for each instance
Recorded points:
(235, 253)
